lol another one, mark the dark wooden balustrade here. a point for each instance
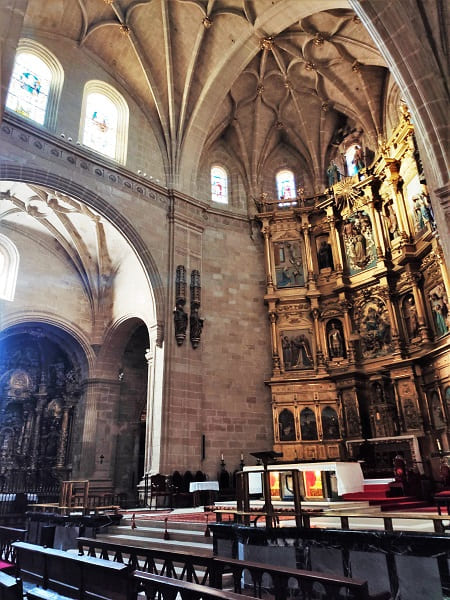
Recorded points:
(210, 570)
(9, 535)
(164, 588)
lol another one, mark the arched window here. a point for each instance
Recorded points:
(286, 185)
(36, 84)
(9, 266)
(219, 185)
(104, 120)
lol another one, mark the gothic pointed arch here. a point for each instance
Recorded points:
(9, 266)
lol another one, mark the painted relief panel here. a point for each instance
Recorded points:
(289, 268)
(360, 250)
(286, 425)
(308, 425)
(440, 309)
(297, 349)
(375, 329)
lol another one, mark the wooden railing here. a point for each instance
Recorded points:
(164, 588)
(253, 517)
(8, 535)
(201, 569)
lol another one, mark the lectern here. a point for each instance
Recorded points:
(266, 457)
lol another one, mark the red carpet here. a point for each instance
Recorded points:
(192, 517)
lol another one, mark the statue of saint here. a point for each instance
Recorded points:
(333, 173)
(325, 256)
(335, 342)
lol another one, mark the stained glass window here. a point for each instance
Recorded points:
(219, 185)
(29, 87)
(286, 185)
(100, 124)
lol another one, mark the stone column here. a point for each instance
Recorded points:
(149, 357)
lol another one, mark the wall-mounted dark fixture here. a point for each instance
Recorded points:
(179, 316)
(196, 323)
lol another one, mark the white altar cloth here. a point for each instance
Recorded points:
(200, 486)
(348, 474)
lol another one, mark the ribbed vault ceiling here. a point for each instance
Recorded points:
(256, 75)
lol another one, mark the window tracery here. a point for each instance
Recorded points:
(285, 185)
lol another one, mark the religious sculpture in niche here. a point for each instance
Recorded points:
(351, 414)
(179, 316)
(335, 339)
(407, 393)
(333, 173)
(410, 316)
(359, 245)
(308, 425)
(296, 346)
(419, 205)
(324, 253)
(374, 329)
(436, 411)
(330, 424)
(439, 307)
(391, 221)
(286, 424)
(383, 414)
(289, 264)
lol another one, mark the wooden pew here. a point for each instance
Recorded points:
(10, 587)
(8, 535)
(78, 577)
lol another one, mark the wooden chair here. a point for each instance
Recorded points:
(160, 487)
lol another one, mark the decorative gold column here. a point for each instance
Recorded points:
(64, 434)
(273, 331)
(350, 348)
(335, 242)
(266, 233)
(42, 398)
(375, 223)
(306, 231)
(413, 279)
(392, 176)
(319, 352)
(385, 294)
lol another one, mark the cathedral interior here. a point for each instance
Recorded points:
(224, 229)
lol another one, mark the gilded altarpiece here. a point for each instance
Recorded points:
(358, 304)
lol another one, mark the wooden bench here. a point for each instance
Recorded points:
(75, 576)
(10, 587)
(8, 535)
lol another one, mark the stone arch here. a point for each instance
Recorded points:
(9, 266)
(70, 187)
